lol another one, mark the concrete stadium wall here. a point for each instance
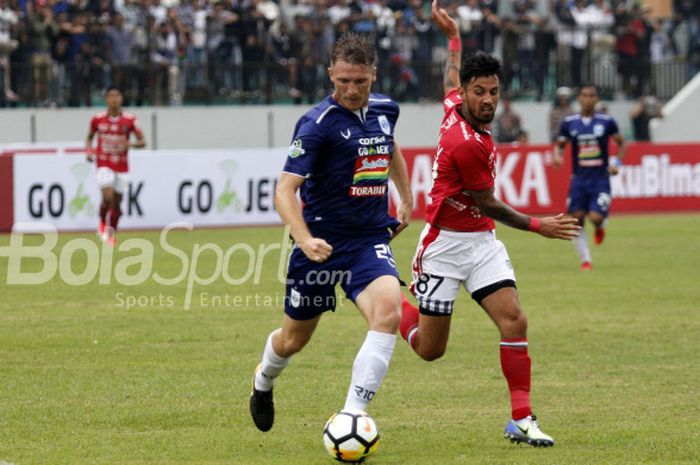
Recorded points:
(247, 126)
(680, 116)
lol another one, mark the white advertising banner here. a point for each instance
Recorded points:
(201, 187)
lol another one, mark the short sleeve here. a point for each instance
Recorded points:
(93, 124)
(135, 127)
(474, 167)
(452, 99)
(304, 149)
(612, 127)
(564, 131)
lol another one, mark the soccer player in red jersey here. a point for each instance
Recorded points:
(114, 128)
(458, 246)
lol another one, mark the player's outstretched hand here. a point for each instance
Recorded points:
(442, 19)
(317, 250)
(559, 227)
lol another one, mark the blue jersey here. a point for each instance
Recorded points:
(345, 157)
(589, 138)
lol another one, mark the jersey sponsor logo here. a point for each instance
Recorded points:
(371, 167)
(373, 150)
(384, 124)
(295, 150)
(368, 191)
(590, 163)
(371, 140)
(346, 134)
(455, 204)
(463, 127)
(452, 119)
(588, 147)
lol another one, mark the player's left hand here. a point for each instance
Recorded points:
(404, 211)
(442, 19)
(613, 170)
(559, 227)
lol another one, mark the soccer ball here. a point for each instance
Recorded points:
(350, 436)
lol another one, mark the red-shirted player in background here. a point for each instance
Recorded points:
(114, 128)
(458, 246)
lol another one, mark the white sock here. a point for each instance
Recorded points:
(369, 368)
(270, 368)
(581, 244)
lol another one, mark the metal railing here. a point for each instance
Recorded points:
(55, 85)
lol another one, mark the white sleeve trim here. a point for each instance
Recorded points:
(297, 174)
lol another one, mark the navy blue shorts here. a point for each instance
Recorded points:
(590, 195)
(354, 264)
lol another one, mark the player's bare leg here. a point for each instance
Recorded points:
(113, 215)
(380, 304)
(503, 306)
(281, 344)
(598, 221)
(426, 334)
(581, 241)
(107, 199)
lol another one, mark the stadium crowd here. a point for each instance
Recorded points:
(63, 52)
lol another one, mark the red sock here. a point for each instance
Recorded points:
(114, 217)
(103, 212)
(409, 317)
(515, 363)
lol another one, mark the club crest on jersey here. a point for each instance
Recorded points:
(295, 298)
(384, 124)
(295, 150)
(598, 130)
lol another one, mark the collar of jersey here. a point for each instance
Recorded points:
(362, 113)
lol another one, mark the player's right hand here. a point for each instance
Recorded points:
(316, 249)
(559, 227)
(90, 155)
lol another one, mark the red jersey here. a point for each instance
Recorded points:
(465, 161)
(113, 133)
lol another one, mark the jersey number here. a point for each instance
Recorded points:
(384, 252)
(423, 283)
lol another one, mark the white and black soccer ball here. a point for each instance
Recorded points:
(350, 436)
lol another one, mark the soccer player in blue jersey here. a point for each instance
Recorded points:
(341, 157)
(589, 193)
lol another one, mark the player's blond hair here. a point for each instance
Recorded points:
(353, 48)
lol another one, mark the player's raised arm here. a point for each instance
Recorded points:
(450, 29)
(399, 174)
(287, 205)
(553, 227)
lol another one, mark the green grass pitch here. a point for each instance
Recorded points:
(616, 359)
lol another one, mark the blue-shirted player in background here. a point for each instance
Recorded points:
(341, 157)
(589, 192)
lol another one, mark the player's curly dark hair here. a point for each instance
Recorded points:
(354, 49)
(479, 65)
